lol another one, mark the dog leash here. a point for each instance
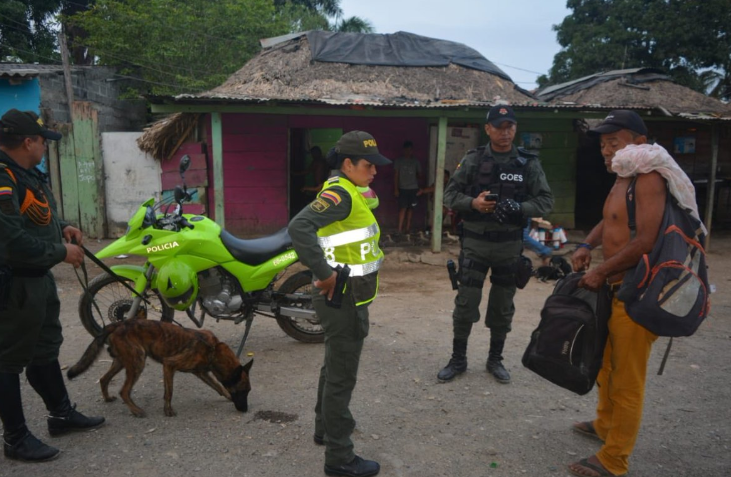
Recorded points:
(100, 264)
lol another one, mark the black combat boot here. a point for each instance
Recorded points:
(358, 467)
(18, 442)
(495, 361)
(47, 380)
(458, 363)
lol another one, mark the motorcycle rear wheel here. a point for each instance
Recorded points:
(300, 329)
(114, 300)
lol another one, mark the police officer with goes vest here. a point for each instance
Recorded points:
(33, 240)
(338, 229)
(494, 188)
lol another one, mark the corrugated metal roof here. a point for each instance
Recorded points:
(19, 73)
(372, 102)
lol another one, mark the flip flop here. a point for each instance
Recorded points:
(586, 428)
(588, 465)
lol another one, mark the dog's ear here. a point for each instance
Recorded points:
(247, 366)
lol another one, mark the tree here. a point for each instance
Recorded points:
(177, 46)
(682, 37)
(354, 25)
(27, 33)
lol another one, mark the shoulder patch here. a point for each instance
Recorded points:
(319, 205)
(331, 195)
(6, 191)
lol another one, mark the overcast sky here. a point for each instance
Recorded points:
(516, 35)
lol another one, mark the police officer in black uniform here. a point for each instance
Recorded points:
(33, 240)
(495, 188)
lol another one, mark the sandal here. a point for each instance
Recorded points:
(601, 471)
(586, 428)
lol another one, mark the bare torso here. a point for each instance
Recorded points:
(616, 233)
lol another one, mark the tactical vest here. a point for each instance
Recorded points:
(354, 240)
(508, 180)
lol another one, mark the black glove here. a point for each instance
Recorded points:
(508, 212)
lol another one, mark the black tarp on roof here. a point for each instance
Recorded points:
(395, 49)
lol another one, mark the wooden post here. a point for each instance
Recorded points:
(66, 73)
(436, 228)
(711, 184)
(217, 144)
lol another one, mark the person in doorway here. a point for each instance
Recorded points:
(495, 189)
(621, 380)
(32, 241)
(338, 229)
(407, 175)
(318, 168)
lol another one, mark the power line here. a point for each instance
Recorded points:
(56, 62)
(517, 68)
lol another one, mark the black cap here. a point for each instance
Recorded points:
(26, 123)
(499, 114)
(620, 119)
(360, 144)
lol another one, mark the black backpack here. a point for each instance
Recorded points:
(668, 291)
(567, 346)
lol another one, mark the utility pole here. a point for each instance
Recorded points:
(66, 73)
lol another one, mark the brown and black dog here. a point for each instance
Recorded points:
(177, 349)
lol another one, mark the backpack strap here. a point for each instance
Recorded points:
(631, 209)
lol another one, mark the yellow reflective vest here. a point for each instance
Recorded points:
(354, 240)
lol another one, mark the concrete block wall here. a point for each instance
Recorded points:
(100, 86)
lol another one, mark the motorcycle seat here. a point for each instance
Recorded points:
(259, 250)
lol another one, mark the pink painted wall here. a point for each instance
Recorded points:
(255, 149)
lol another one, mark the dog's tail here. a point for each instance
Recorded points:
(87, 359)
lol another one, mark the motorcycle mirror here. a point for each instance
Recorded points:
(184, 164)
(179, 194)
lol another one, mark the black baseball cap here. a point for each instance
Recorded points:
(620, 119)
(26, 123)
(360, 144)
(499, 114)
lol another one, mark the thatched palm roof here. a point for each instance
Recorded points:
(286, 71)
(634, 88)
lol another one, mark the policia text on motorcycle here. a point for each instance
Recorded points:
(32, 241)
(336, 230)
(494, 188)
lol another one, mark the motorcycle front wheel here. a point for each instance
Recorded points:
(301, 329)
(113, 301)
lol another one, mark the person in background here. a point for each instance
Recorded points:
(318, 168)
(407, 175)
(543, 251)
(32, 241)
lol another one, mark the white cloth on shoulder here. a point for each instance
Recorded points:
(644, 158)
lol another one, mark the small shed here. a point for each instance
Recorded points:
(694, 128)
(307, 89)
(75, 162)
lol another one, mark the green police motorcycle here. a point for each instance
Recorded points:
(194, 266)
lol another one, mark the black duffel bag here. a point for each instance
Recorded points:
(567, 346)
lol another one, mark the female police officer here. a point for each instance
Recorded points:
(338, 228)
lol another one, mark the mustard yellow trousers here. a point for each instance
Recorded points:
(621, 384)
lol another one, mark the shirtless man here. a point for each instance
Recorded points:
(621, 381)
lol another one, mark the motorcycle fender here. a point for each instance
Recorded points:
(135, 273)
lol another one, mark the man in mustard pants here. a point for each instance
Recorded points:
(621, 380)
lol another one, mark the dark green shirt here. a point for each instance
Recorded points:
(539, 199)
(23, 242)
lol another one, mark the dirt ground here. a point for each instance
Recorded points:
(408, 421)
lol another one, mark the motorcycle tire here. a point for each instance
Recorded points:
(113, 301)
(301, 330)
